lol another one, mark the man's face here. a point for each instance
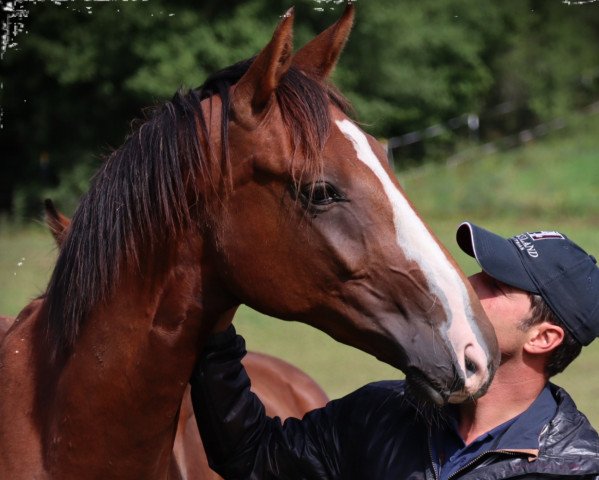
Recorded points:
(506, 308)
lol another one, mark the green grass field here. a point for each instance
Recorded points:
(552, 184)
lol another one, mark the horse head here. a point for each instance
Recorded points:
(315, 227)
(258, 188)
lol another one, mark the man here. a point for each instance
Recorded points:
(540, 292)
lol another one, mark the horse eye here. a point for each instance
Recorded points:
(320, 194)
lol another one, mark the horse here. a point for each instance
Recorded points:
(255, 188)
(284, 390)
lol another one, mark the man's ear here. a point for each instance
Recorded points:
(544, 338)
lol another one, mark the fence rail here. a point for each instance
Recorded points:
(506, 142)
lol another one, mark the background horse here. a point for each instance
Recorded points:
(255, 188)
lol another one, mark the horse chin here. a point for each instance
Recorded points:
(462, 396)
(424, 389)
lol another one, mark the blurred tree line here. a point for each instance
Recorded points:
(84, 70)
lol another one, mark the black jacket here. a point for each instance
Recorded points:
(373, 433)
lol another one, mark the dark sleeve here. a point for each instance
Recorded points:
(240, 440)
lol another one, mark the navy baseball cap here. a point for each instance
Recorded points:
(545, 263)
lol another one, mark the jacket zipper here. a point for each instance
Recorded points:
(430, 455)
(472, 462)
(469, 464)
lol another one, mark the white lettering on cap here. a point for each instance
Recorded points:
(546, 236)
(524, 243)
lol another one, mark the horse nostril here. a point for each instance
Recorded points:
(471, 367)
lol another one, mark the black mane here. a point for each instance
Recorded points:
(138, 200)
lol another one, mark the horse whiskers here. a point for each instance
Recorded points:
(433, 305)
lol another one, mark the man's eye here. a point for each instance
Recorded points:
(320, 194)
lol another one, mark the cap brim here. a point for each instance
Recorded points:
(496, 255)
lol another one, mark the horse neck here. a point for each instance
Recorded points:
(120, 389)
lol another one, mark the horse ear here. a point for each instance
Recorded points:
(254, 89)
(319, 57)
(56, 221)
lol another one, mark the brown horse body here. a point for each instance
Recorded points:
(298, 216)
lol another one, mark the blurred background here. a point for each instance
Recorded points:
(488, 109)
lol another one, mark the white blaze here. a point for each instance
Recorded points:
(419, 246)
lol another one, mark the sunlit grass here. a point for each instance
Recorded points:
(27, 256)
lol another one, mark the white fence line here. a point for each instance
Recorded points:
(506, 142)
